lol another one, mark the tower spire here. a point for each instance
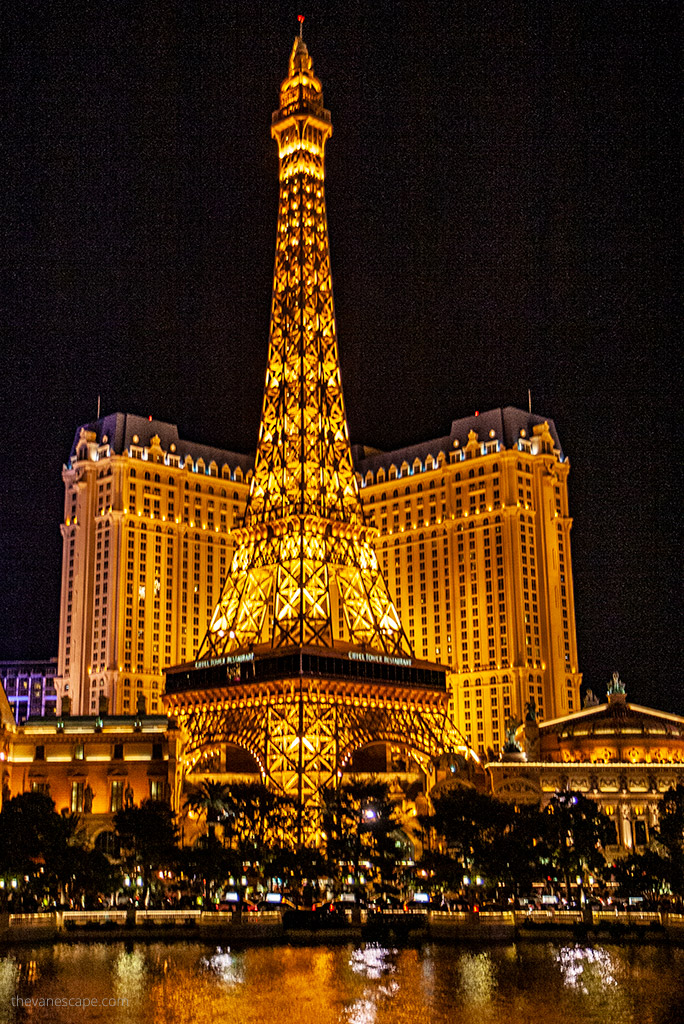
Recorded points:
(304, 569)
(305, 660)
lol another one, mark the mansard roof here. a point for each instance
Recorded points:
(504, 425)
(120, 429)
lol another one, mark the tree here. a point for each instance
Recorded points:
(258, 819)
(575, 834)
(38, 844)
(646, 874)
(360, 822)
(210, 801)
(65, 852)
(486, 837)
(293, 866)
(514, 859)
(91, 875)
(210, 863)
(148, 837)
(669, 835)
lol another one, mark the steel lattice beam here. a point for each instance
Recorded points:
(303, 733)
(304, 552)
(304, 572)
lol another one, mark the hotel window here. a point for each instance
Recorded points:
(116, 795)
(156, 789)
(640, 831)
(77, 797)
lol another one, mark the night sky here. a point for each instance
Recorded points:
(502, 205)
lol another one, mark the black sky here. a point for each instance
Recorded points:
(502, 204)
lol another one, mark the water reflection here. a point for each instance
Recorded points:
(363, 1011)
(477, 977)
(585, 968)
(130, 976)
(374, 963)
(200, 983)
(9, 986)
(227, 966)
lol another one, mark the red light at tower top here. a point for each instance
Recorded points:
(300, 19)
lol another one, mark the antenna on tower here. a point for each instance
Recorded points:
(300, 19)
(98, 407)
(529, 399)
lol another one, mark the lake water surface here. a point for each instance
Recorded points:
(198, 983)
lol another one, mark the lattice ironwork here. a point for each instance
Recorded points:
(302, 734)
(304, 576)
(304, 554)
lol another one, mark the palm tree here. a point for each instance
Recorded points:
(259, 818)
(211, 801)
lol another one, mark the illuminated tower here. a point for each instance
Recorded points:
(304, 569)
(305, 660)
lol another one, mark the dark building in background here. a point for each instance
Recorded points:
(30, 687)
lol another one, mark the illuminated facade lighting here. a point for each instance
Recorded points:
(305, 550)
(306, 622)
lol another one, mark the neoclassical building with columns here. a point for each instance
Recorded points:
(622, 755)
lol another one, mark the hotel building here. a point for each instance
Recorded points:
(475, 546)
(474, 542)
(145, 548)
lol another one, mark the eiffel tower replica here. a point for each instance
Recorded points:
(305, 660)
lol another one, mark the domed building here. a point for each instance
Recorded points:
(619, 754)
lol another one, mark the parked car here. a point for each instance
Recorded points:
(418, 905)
(283, 904)
(386, 901)
(243, 904)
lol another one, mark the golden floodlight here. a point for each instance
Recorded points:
(304, 570)
(305, 636)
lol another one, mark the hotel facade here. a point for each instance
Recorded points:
(474, 543)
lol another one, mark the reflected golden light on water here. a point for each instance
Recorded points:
(598, 975)
(229, 967)
(130, 974)
(372, 961)
(478, 980)
(366, 983)
(9, 976)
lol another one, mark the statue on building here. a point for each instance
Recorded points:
(616, 685)
(128, 796)
(88, 800)
(511, 746)
(590, 700)
(531, 710)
